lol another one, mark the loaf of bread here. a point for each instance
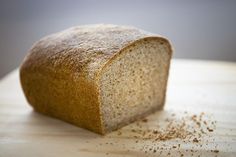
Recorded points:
(98, 77)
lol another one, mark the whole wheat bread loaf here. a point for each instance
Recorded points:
(99, 77)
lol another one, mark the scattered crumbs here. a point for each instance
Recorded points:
(186, 129)
(215, 151)
(210, 130)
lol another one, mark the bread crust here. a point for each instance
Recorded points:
(61, 72)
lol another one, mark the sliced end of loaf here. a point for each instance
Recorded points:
(133, 83)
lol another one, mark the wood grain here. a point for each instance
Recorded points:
(194, 86)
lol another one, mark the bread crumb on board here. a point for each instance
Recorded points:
(183, 134)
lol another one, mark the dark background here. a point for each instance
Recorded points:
(198, 29)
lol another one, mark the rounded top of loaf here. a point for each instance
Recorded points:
(81, 49)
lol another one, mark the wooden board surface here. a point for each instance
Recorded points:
(194, 87)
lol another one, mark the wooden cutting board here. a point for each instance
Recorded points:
(194, 87)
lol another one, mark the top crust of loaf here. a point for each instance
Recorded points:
(83, 50)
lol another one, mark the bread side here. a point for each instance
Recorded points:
(60, 75)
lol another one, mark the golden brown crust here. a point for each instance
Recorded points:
(76, 55)
(81, 48)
